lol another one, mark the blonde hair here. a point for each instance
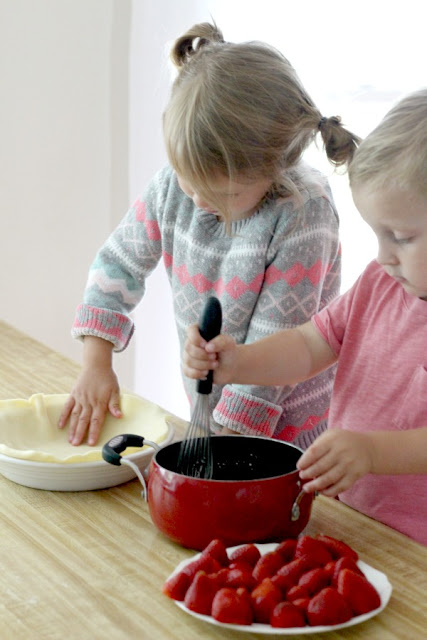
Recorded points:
(395, 152)
(240, 110)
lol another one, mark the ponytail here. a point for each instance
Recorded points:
(340, 144)
(193, 40)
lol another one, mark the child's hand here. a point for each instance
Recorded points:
(335, 461)
(96, 392)
(200, 356)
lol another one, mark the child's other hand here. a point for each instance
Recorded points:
(96, 392)
(200, 356)
(335, 461)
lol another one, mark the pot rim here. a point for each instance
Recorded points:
(211, 480)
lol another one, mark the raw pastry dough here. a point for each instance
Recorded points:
(28, 428)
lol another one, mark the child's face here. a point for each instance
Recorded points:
(399, 220)
(241, 199)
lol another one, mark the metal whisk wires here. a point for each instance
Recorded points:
(195, 454)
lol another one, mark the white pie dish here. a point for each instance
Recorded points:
(35, 453)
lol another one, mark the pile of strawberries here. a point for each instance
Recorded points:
(304, 581)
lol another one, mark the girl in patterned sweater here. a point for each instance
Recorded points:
(237, 214)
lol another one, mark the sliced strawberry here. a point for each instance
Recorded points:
(267, 566)
(201, 592)
(216, 548)
(328, 607)
(176, 586)
(232, 606)
(358, 591)
(337, 548)
(287, 549)
(314, 580)
(246, 553)
(264, 598)
(286, 615)
(318, 552)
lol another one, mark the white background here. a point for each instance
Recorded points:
(82, 87)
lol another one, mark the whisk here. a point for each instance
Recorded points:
(195, 454)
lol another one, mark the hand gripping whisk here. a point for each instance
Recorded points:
(195, 454)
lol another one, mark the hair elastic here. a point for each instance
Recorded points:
(321, 122)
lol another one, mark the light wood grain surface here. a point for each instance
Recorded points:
(90, 565)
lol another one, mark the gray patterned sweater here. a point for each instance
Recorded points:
(274, 270)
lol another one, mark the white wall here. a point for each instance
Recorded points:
(82, 87)
(63, 156)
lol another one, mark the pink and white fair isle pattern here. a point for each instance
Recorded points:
(273, 271)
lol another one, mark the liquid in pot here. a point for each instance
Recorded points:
(240, 457)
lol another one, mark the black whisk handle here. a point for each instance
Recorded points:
(209, 327)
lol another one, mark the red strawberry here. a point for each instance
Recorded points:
(314, 580)
(296, 592)
(216, 549)
(345, 562)
(267, 566)
(301, 603)
(221, 576)
(205, 563)
(306, 545)
(246, 553)
(232, 606)
(285, 614)
(243, 566)
(240, 578)
(337, 548)
(328, 607)
(176, 586)
(264, 598)
(358, 591)
(287, 549)
(200, 593)
(329, 568)
(288, 575)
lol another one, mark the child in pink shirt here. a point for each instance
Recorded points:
(374, 453)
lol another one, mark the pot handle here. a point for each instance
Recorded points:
(113, 448)
(296, 511)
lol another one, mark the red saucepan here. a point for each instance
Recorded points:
(255, 494)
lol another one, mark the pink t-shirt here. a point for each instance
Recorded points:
(380, 334)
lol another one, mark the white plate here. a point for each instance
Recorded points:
(376, 578)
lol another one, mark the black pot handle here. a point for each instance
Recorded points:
(113, 448)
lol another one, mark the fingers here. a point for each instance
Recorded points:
(334, 462)
(66, 412)
(196, 361)
(86, 420)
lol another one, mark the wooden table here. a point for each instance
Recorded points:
(90, 565)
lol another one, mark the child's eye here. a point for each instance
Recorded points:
(404, 240)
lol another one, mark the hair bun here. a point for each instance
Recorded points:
(193, 40)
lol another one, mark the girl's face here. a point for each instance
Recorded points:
(241, 199)
(399, 220)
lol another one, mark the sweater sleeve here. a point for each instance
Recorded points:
(301, 277)
(116, 281)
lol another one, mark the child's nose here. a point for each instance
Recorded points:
(199, 202)
(386, 253)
